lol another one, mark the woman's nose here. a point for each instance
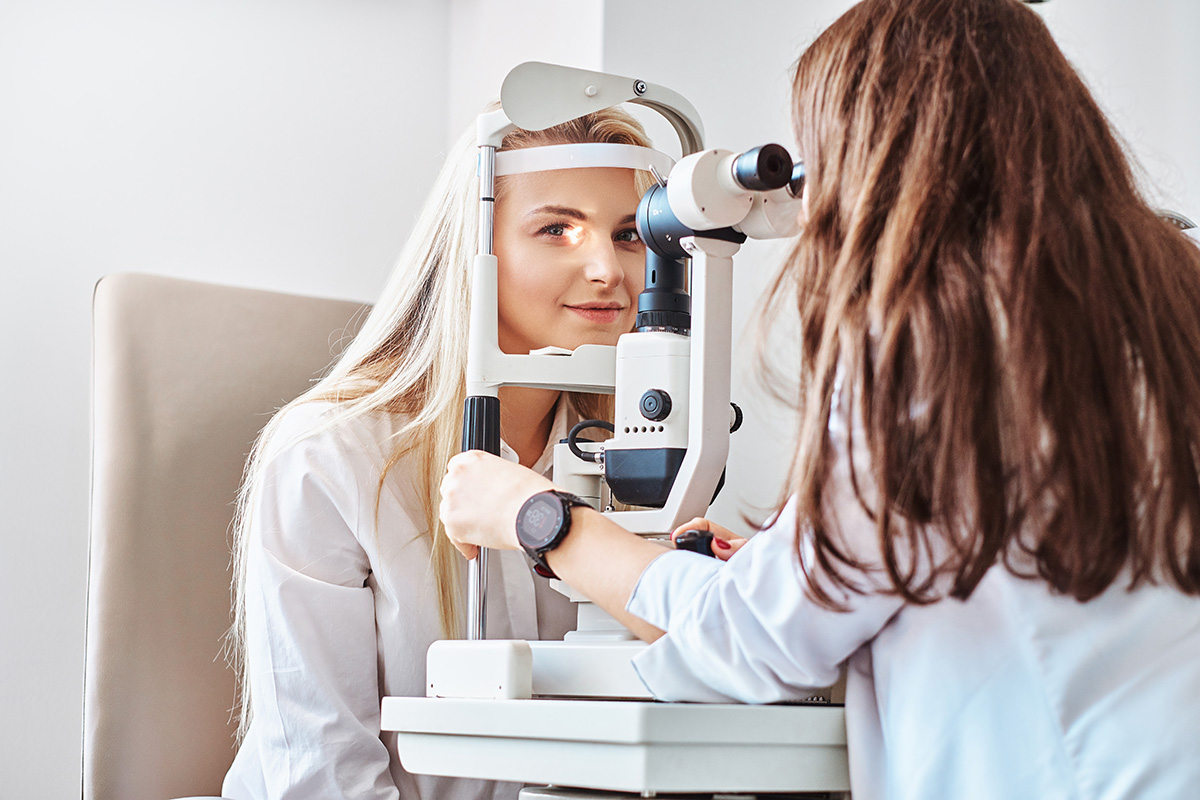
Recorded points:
(602, 264)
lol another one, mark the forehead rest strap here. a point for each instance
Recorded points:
(579, 156)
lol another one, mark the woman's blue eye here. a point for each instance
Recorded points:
(557, 229)
(629, 235)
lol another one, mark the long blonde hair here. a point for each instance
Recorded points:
(410, 358)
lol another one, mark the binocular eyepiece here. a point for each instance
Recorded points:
(763, 168)
(720, 194)
(713, 191)
(768, 167)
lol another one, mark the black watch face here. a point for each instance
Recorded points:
(541, 521)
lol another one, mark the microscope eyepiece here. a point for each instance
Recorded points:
(796, 184)
(763, 168)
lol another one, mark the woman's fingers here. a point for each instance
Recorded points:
(724, 543)
(469, 551)
(724, 549)
(702, 524)
(695, 524)
(481, 494)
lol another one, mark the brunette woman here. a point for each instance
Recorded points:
(994, 503)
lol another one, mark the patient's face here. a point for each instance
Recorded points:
(569, 258)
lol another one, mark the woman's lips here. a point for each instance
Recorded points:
(604, 315)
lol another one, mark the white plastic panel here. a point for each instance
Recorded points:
(493, 668)
(624, 746)
(568, 669)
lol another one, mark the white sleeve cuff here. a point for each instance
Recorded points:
(668, 674)
(671, 581)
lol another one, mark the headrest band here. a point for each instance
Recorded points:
(577, 156)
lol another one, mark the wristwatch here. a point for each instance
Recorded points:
(542, 524)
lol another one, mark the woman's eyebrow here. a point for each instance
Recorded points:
(574, 213)
(562, 211)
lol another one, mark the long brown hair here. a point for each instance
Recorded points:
(1018, 333)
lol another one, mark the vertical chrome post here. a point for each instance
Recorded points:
(477, 568)
(487, 199)
(477, 596)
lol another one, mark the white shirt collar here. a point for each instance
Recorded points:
(558, 431)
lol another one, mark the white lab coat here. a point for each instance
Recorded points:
(1014, 694)
(340, 614)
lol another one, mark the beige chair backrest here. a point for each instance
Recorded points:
(184, 376)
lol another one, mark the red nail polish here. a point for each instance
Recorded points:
(721, 543)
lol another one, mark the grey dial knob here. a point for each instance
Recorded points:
(655, 405)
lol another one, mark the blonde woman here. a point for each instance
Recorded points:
(342, 579)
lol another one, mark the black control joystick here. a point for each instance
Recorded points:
(697, 541)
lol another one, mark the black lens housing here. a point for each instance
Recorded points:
(763, 168)
(665, 302)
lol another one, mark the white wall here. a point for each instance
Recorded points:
(288, 144)
(490, 37)
(1141, 61)
(273, 143)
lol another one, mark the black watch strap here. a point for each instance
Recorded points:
(529, 519)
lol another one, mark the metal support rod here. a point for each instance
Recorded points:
(477, 596)
(477, 568)
(487, 198)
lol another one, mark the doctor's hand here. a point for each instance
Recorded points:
(481, 495)
(724, 544)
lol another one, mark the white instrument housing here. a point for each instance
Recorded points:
(658, 360)
(703, 193)
(773, 215)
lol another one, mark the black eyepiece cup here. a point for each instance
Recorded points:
(796, 184)
(763, 168)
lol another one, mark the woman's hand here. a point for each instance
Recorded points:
(725, 543)
(481, 495)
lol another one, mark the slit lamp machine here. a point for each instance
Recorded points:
(573, 714)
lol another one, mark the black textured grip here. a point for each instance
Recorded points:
(697, 541)
(481, 424)
(664, 302)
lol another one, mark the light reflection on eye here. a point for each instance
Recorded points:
(569, 234)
